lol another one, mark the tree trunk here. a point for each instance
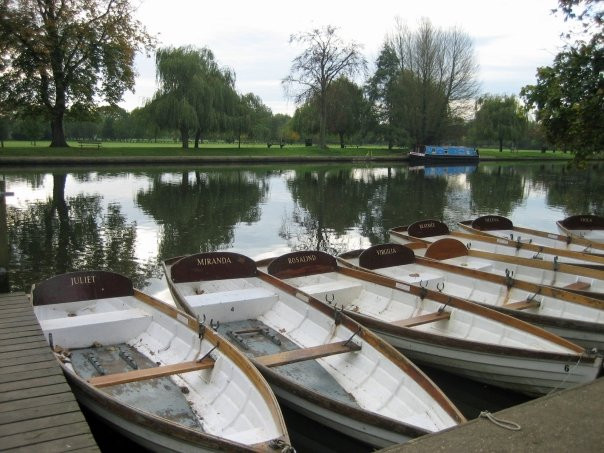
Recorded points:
(184, 138)
(500, 145)
(56, 126)
(341, 140)
(197, 139)
(322, 120)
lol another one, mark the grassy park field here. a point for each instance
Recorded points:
(149, 150)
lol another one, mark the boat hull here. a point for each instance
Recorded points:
(530, 375)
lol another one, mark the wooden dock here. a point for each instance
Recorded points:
(37, 409)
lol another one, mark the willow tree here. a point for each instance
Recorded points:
(62, 54)
(325, 58)
(195, 96)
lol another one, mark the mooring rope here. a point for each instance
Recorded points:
(512, 426)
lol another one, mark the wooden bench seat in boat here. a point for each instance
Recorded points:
(108, 327)
(233, 305)
(311, 353)
(578, 286)
(150, 373)
(415, 278)
(340, 288)
(522, 305)
(423, 319)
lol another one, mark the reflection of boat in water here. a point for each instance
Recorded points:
(438, 170)
(152, 372)
(445, 154)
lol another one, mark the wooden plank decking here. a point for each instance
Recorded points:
(37, 409)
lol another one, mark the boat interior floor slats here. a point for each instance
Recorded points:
(167, 398)
(257, 339)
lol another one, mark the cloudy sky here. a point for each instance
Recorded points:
(511, 37)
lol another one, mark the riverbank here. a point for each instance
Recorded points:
(111, 154)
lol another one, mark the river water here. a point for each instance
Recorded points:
(130, 219)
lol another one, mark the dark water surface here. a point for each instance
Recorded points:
(130, 219)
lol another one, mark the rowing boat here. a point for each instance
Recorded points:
(318, 361)
(577, 318)
(589, 227)
(577, 279)
(441, 331)
(429, 231)
(498, 226)
(151, 371)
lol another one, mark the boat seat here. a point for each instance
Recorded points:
(109, 327)
(522, 304)
(233, 305)
(150, 373)
(578, 286)
(340, 289)
(423, 319)
(311, 353)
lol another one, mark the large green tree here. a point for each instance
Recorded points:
(500, 118)
(568, 97)
(345, 108)
(56, 54)
(196, 95)
(423, 80)
(325, 57)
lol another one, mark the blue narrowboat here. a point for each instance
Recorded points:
(448, 154)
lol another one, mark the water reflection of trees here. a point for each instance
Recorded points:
(69, 234)
(332, 201)
(198, 211)
(572, 190)
(496, 189)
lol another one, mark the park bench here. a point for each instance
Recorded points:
(84, 143)
(281, 145)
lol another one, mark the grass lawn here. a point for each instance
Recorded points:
(112, 149)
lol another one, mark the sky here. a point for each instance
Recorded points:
(511, 38)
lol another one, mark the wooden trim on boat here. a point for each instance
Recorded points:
(423, 319)
(582, 222)
(173, 312)
(150, 373)
(312, 353)
(212, 266)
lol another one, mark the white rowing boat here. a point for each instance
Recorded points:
(498, 226)
(429, 231)
(151, 372)
(577, 279)
(588, 227)
(577, 318)
(441, 331)
(318, 361)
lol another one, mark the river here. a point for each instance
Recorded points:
(130, 219)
